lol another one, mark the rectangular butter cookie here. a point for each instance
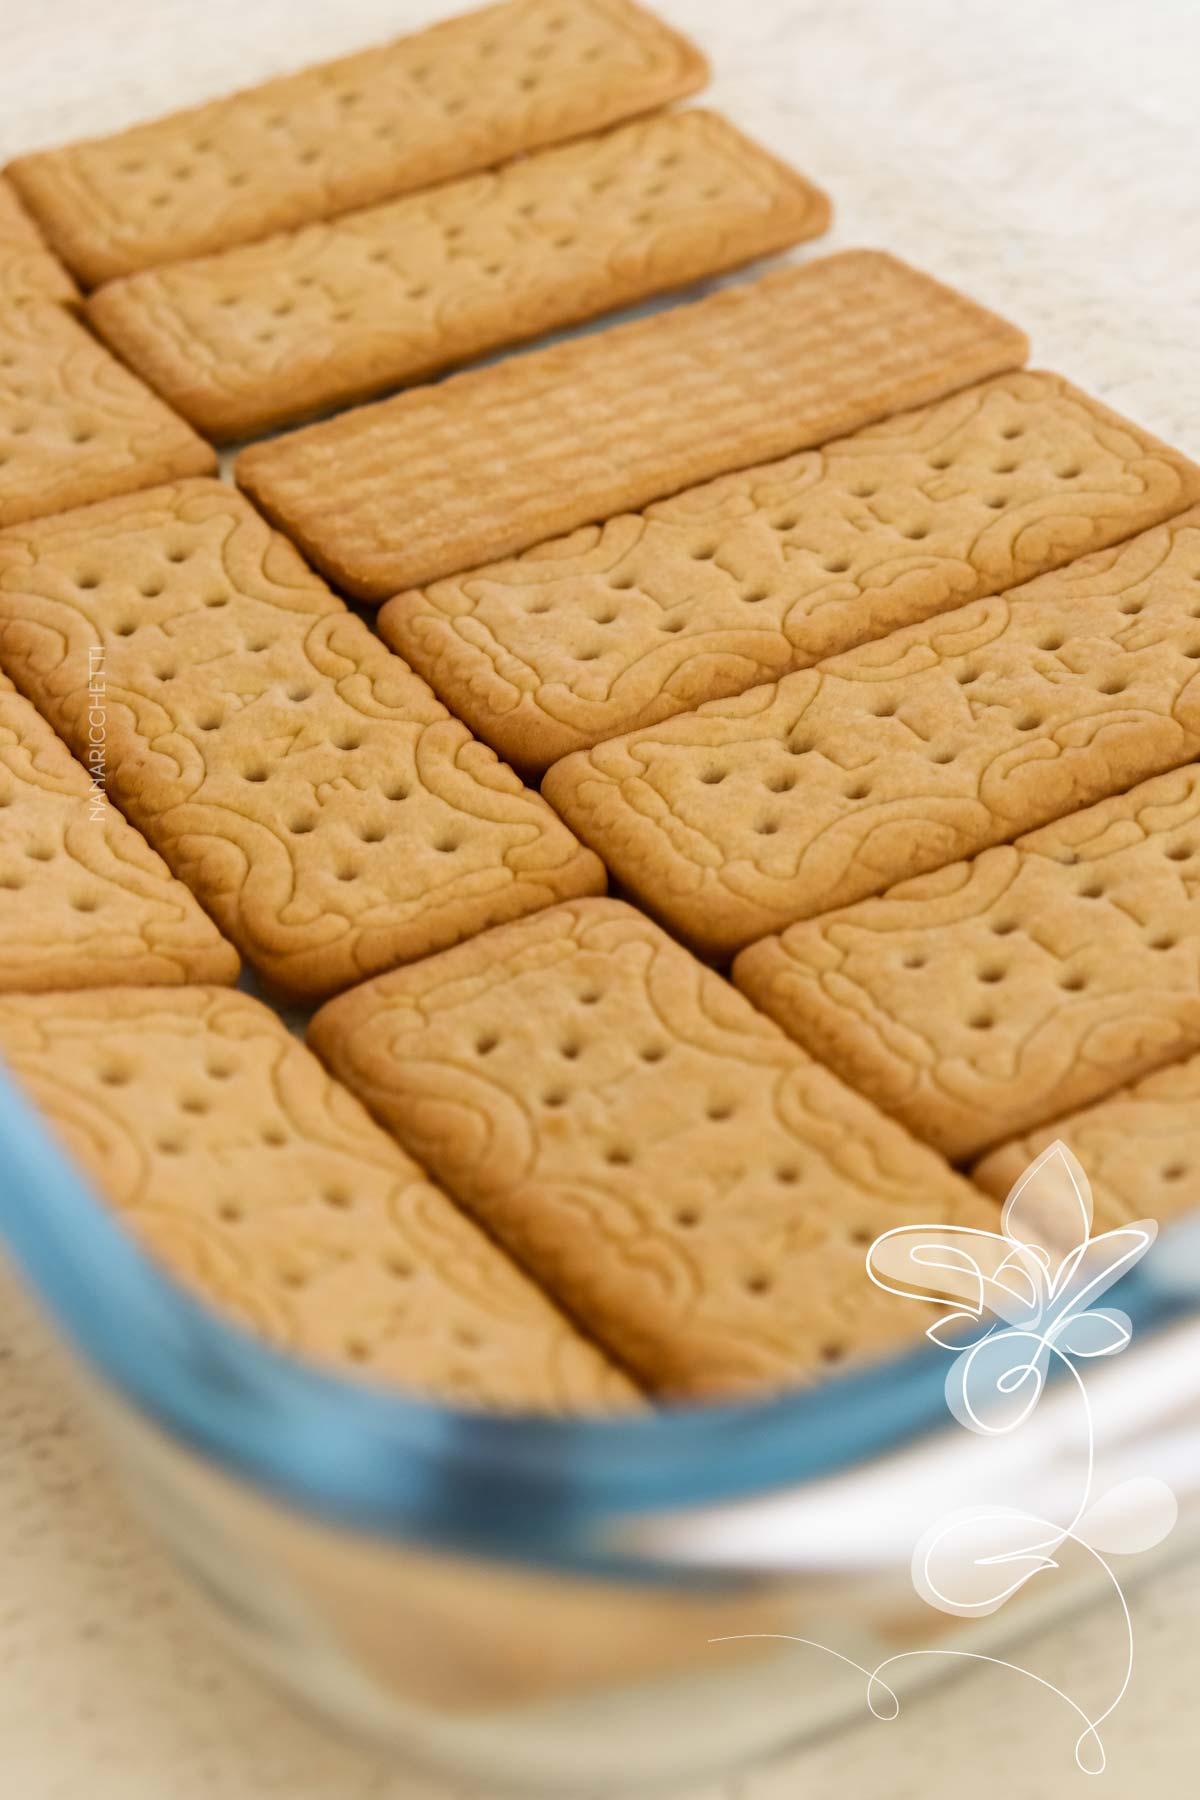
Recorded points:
(976, 1003)
(84, 901)
(339, 312)
(74, 425)
(901, 756)
(264, 1187)
(443, 478)
(28, 268)
(777, 567)
(321, 803)
(1140, 1149)
(686, 1182)
(464, 95)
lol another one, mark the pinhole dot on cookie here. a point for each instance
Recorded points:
(1029, 721)
(115, 1074)
(219, 1068)
(448, 843)
(758, 1284)
(274, 1136)
(831, 1353)
(780, 784)
(197, 1104)
(1073, 982)
(687, 1217)
(1174, 1171)
(170, 1146)
(230, 1212)
(41, 852)
(992, 972)
(712, 777)
(767, 827)
(981, 1021)
(85, 903)
(1180, 852)
(719, 1110)
(652, 1053)
(12, 883)
(1092, 890)
(1012, 431)
(302, 826)
(1053, 642)
(915, 959)
(570, 1049)
(335, 1195)
(1005, 927)
(485, 1043)
(1163, 940)
(858, 790)
(554, 1097)
(619, 1156)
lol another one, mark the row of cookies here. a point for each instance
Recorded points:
(688, 1184)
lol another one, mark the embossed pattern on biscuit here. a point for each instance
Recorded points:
(902, 756)
(490, 461)
(74, 425)
(1140, 1149)
(84, 901)
(326, 809)
(737, 582)
(693, 1189)
(980, 1001)
(339, 312)
(263, 1185)
(28, 269)
(466, 94)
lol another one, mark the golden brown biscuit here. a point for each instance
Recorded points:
(1140, 1149)
(28, 269)
(84, 901)
(904, 755)
(466, 94)
(324, 807)
(443, 478)
(339, 312)
(74, 425)
(980, 1001)
(689, 1185)
(265, 1187)
(777, 567)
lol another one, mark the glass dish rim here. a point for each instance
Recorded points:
(536, 1488)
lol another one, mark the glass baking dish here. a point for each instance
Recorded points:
(562, 1606)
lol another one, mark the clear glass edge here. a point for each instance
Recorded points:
(535, 1488)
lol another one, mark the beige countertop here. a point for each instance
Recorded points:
(1044, 155)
